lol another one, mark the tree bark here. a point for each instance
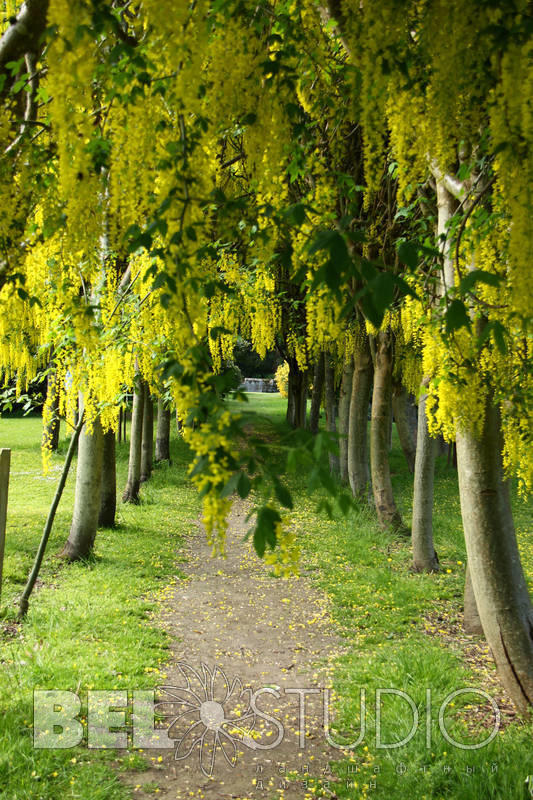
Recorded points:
(108, 501)
(131, 492)
(147, 446)
(84, 525)
(316, 397)
(471, 620)
(297, 395)
(424, 556)
(330, 403)
(358, 472)
(51, 429)
(162, 442)
(498, 580)
(403, 425)
(388, 514)
(344, 415)
(24, 34)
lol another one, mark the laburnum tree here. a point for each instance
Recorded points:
(161, 198)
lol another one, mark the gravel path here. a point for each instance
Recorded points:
(252, 632)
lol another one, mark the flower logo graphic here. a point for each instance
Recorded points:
(209, 713)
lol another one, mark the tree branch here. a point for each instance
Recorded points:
(455, 187)
(25, 33)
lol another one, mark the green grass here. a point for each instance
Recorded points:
(89, 625)
(398, 629)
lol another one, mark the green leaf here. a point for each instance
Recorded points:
(283, 494)
(231, 485)
(478, 276)
(498, 334)
(456, 316)
(408, 254)
(265, 529)
(244, 485)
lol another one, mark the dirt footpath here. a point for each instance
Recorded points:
(242, 640)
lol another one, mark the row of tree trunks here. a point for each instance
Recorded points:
(316, 396)
(88, 491)
(162, 442)
(131, 492)
(424, 556)
(297, 395)
(147, 447)
(330, 403)
(345, 395)
(108, 501)
(362, 379)
(388, 514)
(51, 430)
(96, 495)
(404, 419)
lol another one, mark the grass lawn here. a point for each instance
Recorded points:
(90, 627)
(89, 624)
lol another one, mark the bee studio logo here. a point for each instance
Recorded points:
(208, 713)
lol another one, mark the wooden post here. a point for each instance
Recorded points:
(5, 460)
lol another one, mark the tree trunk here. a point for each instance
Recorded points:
(498, 580)
(424, 556)
(162, 442)
(131, 492)
(358, 473)
(297, 395)
(403, 425)
(119, 432)
(316, 398)
(147, 448)
(471, 620)
(330, 403)
(344, 414)
(52, 424)
(108, 501)
(388, 514)
(87, 496)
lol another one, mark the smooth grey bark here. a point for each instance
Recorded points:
(471, 620)
(131, 492)
(400, 406)
(51, 430)
(162, 442)
(297, 395)
(87, 494)
(345, 394)
(330, 403)
(147, 445)
(498, 581)
(358, 471)
(108, 500)
(25, 32)
(424, 556)
(316, 396)
(388, 514)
